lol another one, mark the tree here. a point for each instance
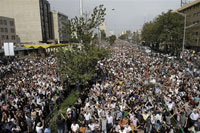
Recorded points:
(123, 37)
(77, 62)
(112, 39)
(103, 35)
(166, 30)
(82, 28)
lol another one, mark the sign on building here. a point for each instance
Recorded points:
(9, 49)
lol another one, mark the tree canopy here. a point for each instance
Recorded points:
(166, 30)
(76, 64)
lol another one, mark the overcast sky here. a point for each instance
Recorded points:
(128, 14)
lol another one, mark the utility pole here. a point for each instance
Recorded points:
(81, 8)
(183, 2)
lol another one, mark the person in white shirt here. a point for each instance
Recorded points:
(39, 128)
(127, 129)
(109, 121)
(194, 116)
(91, 126)
(87, 117)
(74, 127)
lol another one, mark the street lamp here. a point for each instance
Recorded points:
(185, 27)
(81, 8)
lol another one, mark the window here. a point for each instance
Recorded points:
(13, 37)
(2, 29)
(1, 22)
(11, 23)
(12, 30)
(3, 37)
(6, 30)
(5, 22)
(197, 33)
(7, 37)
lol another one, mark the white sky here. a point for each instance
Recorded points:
(128, 14)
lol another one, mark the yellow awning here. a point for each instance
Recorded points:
(45, 45)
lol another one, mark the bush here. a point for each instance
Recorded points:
(70, 100)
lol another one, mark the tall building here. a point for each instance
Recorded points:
(7, 31)
(192, 11)
(58, 23)
(32, 19)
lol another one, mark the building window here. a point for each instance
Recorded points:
(3, 37)
(11, 23)
(5, 22)
(13, 37)
(7, 37)
(6, 30)
(2, 29)
(197, 33)
(12, 30)
(1, 22)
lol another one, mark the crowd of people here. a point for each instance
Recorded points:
(29, 89)
(138, 92)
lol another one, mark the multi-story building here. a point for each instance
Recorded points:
(32, 19)
(7, 31)
(192, 11)
(58, 23)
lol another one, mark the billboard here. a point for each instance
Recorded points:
(9, 49)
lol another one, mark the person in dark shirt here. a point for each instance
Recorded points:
(60, 123)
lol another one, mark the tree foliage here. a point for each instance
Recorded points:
(112, 39)
(167, 30)
(82, 29)
(77, 63)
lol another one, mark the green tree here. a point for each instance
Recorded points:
(77, 62)
(166, 30)
(103, 35)
(83, 28)
(112, 39)
(123, 37)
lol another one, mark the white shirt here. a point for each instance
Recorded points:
(194, 116)
(110, 119)
(91, 126)
(87, 116)
(74, 127)
(39, 129)
(159, 117)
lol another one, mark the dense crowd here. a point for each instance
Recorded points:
(29, 88)
(138, 92)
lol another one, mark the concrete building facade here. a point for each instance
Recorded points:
(7, 31)
(192, 11)
(58, 23)
(32, 18)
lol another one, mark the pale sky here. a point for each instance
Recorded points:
(128, 14)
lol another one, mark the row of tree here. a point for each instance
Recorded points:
(165, 32)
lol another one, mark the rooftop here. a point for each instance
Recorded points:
(189, 5)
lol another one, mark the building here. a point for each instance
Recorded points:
(136, 36)
(58, 23)
(192, 11)
(32, 19)
(7, 31)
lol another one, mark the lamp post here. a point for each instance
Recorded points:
(81, 8)
(185, 27)
(185, 19)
